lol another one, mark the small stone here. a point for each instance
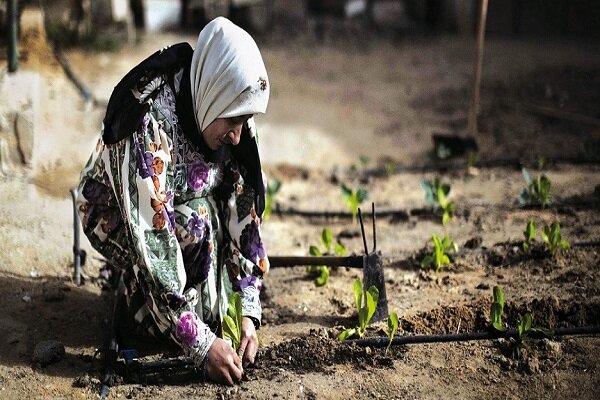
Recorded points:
(26, 298)
(47, 352)
(367, 350)
(552, 347)
(533, 365)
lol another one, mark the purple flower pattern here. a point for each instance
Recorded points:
(95, 192)
(197, 225)
(251, 244)
(250, 281)
(197, 175)
(187, 329)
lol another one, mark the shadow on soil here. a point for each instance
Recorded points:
(50, 309)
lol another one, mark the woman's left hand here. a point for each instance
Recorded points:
(249, 343)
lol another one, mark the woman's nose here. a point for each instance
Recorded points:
(235, 135)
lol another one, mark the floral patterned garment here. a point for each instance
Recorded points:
(152, 205)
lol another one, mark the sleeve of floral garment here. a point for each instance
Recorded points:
(147, 197)
(248, 262)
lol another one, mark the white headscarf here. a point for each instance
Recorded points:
(228, 75)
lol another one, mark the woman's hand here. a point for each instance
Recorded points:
(249, 343)
(223, 365)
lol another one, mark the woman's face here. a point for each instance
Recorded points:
(224, 131)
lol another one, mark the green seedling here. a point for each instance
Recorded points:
(525, 328)
(364, 161)
(392, 328)
(541, 162)
(536, 192)
(365, 311)
(497, 310)
(553, 239)
(436, 195)
(272, 189)
(529, 234)
(353, 199)
(390, 167)
(439, 256)
(232, 322)
(321, 272)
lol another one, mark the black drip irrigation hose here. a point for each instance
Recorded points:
(330, 261)
(383, 341)
(138, 368)
(404, 215)
(461, 164)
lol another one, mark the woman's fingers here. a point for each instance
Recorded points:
(238, 370)
(224, 365)
(250, 353)
(243, 344)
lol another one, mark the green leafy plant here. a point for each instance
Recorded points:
(364, 161)
(232, 322)
(536, 192)
(529, 234)
(272, 189)
(525, 327)
(497, 309)
(365, 305)
(353, 199)
(541, 162)
(392, 328)
(553, 239)
(321, 272)
(439, 256)
(436, 195)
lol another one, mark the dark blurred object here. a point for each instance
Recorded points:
(137, 10)
(337, 8)
(447, 146)
(13, 24)
(254, 15)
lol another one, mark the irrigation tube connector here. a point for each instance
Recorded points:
(383, 341)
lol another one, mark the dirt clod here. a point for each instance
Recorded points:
(47, 352)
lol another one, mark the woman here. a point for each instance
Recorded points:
(173, 193)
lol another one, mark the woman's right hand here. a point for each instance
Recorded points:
(223, 364)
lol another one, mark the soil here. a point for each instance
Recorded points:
(353, 95)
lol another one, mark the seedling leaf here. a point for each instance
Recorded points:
(358, 292)
(327, 239)
(272, 189)
(323, 276)
(497, 309)
(372, 297)
(339, 249)
(392, 324)
(529, 235)
(232, 322)
(314, 251)
(347, 334)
